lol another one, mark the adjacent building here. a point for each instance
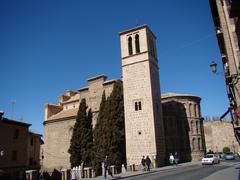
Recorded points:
(183, 124)
(19, 147)
(226, 18)
(60, 119)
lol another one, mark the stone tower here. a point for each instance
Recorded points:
(142, 101)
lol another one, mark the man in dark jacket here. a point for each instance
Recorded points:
(107, 167)
(143, 162)
(148, 163)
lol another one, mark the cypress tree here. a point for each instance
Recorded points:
(109, 132)
(99, 136)
(86, 140)
(116, 127)
(81, 142)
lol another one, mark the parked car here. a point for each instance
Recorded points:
(229, 156)
(210, 159)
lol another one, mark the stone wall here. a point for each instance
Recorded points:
(219, 134)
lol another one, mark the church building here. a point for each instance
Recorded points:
(150, 118)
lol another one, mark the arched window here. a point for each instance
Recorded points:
(192, 127)
(137, 45)
(193, 144)
(190, 110)
(136, 106)
(195, 110)
(197, 127)
(139, 105)
(130, 50)
(199, 144)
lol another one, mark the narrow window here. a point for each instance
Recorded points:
(197, 127)
(130, 50)
(190, 110)
(199, 145)
(136, 106)
(195, 110)
(139, 105)
(192, 127)
(137, 43)
(193, 143)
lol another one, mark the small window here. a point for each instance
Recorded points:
(16, 133)
(130, 50)
(14, 155)
(137, 45)
(138, 105)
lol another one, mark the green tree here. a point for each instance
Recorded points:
(99, 136)
(109, 132)
(116, 127)
(226, 149)
(82, 141)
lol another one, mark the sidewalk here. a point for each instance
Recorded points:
(139, 173)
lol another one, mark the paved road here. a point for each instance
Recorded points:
(195, 172)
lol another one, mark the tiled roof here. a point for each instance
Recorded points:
(169, 95)
(11, 121)
(64, 113)
(76, 97)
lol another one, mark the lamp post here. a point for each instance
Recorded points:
(213, 67)
(232, 89)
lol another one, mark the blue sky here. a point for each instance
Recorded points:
(48, 47)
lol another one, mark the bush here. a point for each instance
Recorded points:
(226, 149)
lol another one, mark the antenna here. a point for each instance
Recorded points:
(13, 104)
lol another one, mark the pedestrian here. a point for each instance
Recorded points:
(176, 158)
(107, 167)
(143, 163)
(148, 162)
(171, 159)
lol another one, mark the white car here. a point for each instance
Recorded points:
(210, 159)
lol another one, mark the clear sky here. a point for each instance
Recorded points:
(50, 46)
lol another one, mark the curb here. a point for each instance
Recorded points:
(156, 170)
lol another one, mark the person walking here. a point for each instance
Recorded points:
(143, 163)
(148, 162)
(107, 167)
(176, 158)
(171, 159)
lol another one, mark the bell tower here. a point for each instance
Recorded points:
(142, 100)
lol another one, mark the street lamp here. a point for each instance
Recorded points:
(213, 67)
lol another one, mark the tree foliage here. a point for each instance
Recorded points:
(82, 139)
(226, 149)
(99, 136)
(109, 132)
